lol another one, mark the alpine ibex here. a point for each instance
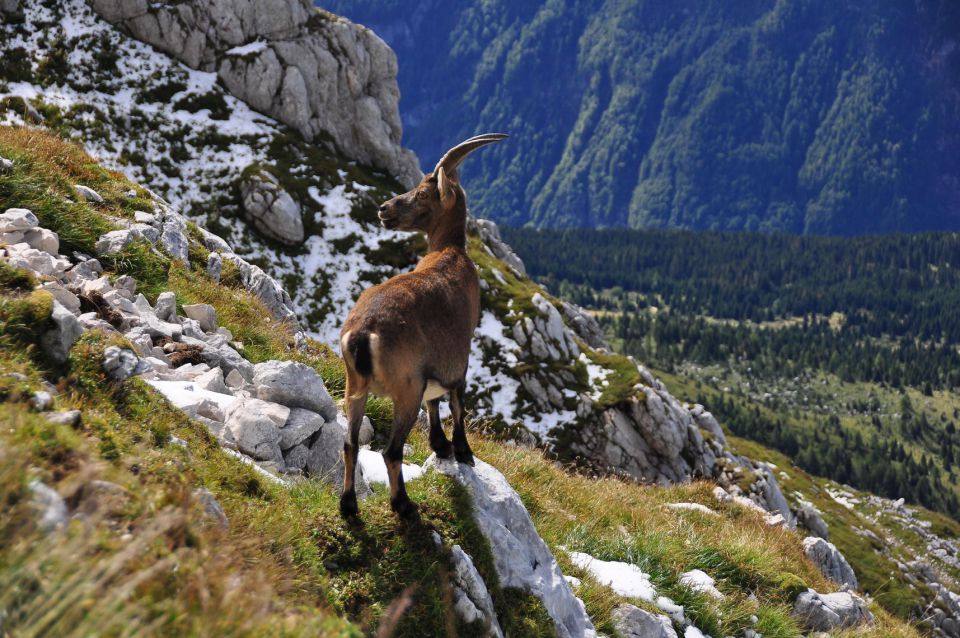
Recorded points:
(409, 337)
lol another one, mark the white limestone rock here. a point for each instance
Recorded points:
(43, 240)
(203, 313)
(271, 209)
(471, 598)
(295, 385)
(633, 622)
(116, 240)
(521, 557)
(17, 220)
(300, 426)
(88, 194)
(255, 426)
(51, 507)
(829, 561)
(826, 612)
(57, 341)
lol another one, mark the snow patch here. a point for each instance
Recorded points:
(625, 579)
(375, 469)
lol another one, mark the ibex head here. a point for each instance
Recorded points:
(438, 193)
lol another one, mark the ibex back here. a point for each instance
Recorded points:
(409, 337)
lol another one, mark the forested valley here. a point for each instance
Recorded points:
(840, 352)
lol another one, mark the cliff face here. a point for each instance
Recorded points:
(320, 74)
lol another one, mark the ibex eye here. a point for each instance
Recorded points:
(421, 194)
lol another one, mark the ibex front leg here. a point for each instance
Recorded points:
(438, 440)
(461, 449)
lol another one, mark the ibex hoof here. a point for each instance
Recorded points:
(443, 450)
(465, 457)
(405, 508)
(348, 505)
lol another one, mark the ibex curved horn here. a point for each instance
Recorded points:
(452, 158)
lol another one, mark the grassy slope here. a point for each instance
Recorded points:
(876, 571)
(287, 565)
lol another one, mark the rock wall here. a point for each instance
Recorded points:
(318, 73)
(560, 371)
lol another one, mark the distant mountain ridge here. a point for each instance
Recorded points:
(801, 116)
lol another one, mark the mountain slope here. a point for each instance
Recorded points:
(540, 374)
(803, 116)
(128, 515)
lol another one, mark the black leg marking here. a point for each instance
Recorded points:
(438, 440)
(461, 449)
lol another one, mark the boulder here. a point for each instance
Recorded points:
(826, 612)
(42, 239)
(231, 361)
(41, 401)
(255, 426)
(296, 457)
(294, 385)
(166, 306)
(271, 210)
(809, 518)
(173, 236)
(300, 426)
(23, 256)
(829, 561)
(122, 363)
(204, 314)
(116, 240)
(471, 598)
(266, 288)
(17, 220)
(325, 460)
(67, 417)
(214, 266)
(212, 380)
(210, 507)
(57, 341)
(632, 622)
(50, 506)
(88, 194)
(366, 431)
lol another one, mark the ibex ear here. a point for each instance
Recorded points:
(448, 194)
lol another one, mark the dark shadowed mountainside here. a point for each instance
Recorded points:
(802, 116)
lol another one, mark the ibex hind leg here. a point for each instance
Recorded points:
(406, 406)
(356, 401)
(461, 449)
(438, 440)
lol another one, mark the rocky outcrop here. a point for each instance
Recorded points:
(521, 557)
(565, 371)
(826, 612)
(318, 73)
(270, 208)
(490, 234)
(829, 561)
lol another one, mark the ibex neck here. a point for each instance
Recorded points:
(449, 235)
